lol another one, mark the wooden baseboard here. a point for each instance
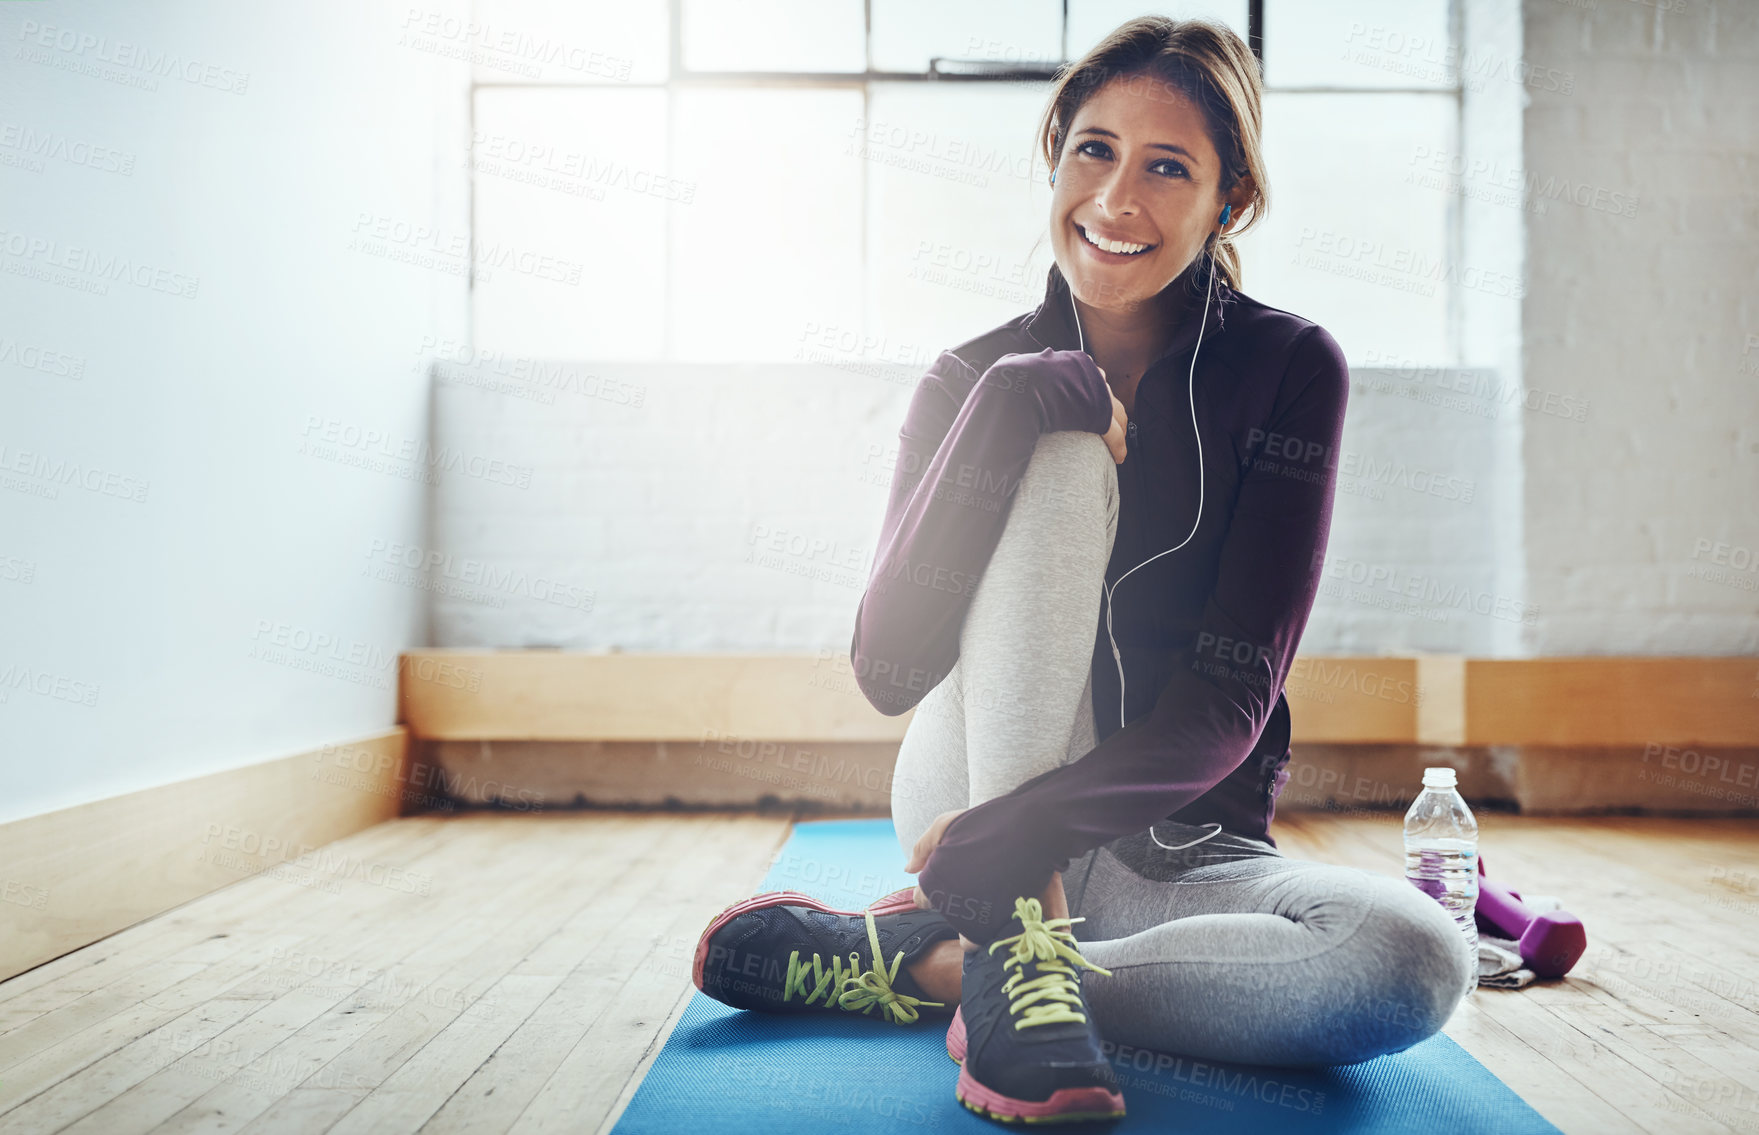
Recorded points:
(546, 728)
(548, 695)
(843, 776)
(1614, 701)
(71, 877)
(515, 695)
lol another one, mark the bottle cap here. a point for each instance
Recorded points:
(1439, 778)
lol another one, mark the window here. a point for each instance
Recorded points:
(727, 178)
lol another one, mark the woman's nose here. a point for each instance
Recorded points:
(1116, 196)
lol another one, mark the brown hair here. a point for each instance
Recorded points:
(1210, 65)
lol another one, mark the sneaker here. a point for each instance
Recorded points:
(1022, 1034)
(785, 952)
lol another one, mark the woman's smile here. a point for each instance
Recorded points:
(1111, 251)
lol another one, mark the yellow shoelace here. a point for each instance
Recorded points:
(1054, 995)
(851, 988)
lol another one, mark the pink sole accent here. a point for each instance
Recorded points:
(904, 899)
(1067, 1105)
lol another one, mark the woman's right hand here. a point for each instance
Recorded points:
(1114, 437)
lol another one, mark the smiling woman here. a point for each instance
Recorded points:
(1124, 420)
(1145, 155)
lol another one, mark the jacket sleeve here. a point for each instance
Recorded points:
(963, 448)
(1209, 716)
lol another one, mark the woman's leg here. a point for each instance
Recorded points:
(1018, 702)
(929, 777)
(1027, 645)
(1229, 950)
(1232, 951)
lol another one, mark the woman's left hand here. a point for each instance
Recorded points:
(925, 846)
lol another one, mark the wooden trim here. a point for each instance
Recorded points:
(1441, 713)
(1439, 699)
(77, 875)
(1345, 700)
(1613, 701)
(527, 695)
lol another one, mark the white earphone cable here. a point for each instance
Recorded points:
(1191, 391)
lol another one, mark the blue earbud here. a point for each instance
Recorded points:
(1053, 177)
(1227, 211)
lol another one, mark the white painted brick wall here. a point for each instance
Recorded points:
(1654, 314)
(648, 513)
(1634, 445)
(652, 509)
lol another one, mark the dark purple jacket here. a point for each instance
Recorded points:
(1207, 633)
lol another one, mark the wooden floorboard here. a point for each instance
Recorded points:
(1655, 1029)
(497, 972)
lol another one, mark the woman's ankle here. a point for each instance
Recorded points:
(1054, 901)
(938, 972)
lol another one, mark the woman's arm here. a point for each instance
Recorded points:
(1211, 713)
(964, 445)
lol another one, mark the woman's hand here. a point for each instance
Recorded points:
(1056, 905)
(925, 845)
(1114, 437)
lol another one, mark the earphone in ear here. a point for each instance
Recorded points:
(1053, 177)
(1227, 211)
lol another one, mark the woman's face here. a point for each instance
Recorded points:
(1138, 167)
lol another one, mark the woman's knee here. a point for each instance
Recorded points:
(1411, 965)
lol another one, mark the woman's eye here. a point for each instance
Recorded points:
(1167, 167)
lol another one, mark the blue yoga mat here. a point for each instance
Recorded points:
(732, 1071)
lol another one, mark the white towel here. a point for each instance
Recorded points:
(1499, 959)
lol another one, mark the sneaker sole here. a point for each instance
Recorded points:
(1069, 1105)
(904, 899)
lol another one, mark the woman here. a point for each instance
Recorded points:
(1092, 594)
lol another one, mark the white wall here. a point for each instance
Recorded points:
(132, 648)
(662, 492)
(1425, 553)
(691, 507)
(1641, 530)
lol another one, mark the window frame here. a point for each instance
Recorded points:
(678, 77)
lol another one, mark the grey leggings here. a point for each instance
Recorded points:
(1226, 950)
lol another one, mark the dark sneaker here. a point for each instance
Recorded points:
(1022, 1033)
(786, 952)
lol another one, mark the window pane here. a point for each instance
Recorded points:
(958, 210)
(1365, 43)
(560, 41)
(576, 175)
(1349, 242)
(773, 227)
(906, 33)
(1092, 20)
(774, 35)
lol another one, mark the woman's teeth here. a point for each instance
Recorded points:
(1124, 247)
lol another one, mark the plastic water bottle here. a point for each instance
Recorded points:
(1441, 854)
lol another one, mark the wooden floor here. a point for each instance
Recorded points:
(496, 972)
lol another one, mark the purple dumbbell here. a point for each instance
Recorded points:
(1551, 942)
